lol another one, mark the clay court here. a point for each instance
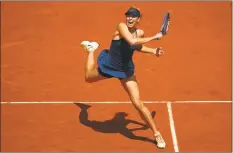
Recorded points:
(42, 78)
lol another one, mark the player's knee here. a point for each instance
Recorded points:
(139, 105)
(88, 79)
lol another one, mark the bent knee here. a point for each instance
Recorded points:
(91, 75)
(88, 79)
(92, 78)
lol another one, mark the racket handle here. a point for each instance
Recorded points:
(159, 38)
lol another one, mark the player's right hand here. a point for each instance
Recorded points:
(158, 36)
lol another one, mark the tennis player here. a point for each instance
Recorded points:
(117, 62)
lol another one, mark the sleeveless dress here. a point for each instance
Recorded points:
(117, 61)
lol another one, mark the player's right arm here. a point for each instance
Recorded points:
(124, 32)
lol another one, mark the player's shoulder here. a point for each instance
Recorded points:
(121, 24)
(140, 32)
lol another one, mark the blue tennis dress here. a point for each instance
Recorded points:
(117, 61)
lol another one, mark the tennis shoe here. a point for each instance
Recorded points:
(160, 141)
(89, 46)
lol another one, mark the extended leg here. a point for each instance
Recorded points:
(131, 87)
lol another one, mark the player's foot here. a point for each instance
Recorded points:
(89, 46)
(160, 141)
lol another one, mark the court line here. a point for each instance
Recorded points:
(169, 108)
(109, 102)
(172, 127)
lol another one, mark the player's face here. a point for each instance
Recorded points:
(132, 21)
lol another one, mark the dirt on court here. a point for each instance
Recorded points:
(41, 60)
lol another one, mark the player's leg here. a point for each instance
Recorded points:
(91, 73)
(131, 87)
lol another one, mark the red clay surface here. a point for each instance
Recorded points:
(205, 127)
(41, 60)
(57, 127)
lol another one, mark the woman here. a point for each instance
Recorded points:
(116, 62)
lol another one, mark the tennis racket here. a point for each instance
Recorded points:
(165, 24)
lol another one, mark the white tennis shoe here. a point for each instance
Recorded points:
(160, 141)
(89, 46)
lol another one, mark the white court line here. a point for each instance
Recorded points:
(73, 102)
(110, 102)
(171, 120)
(172, 126)
(202, 101)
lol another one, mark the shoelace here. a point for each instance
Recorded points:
(159, 139)
(89, 46)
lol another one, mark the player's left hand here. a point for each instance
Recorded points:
(158, 51)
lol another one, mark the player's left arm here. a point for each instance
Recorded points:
(144, 49)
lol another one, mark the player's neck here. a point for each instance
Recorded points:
(133, 29)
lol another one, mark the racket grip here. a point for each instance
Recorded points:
(159, 38)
